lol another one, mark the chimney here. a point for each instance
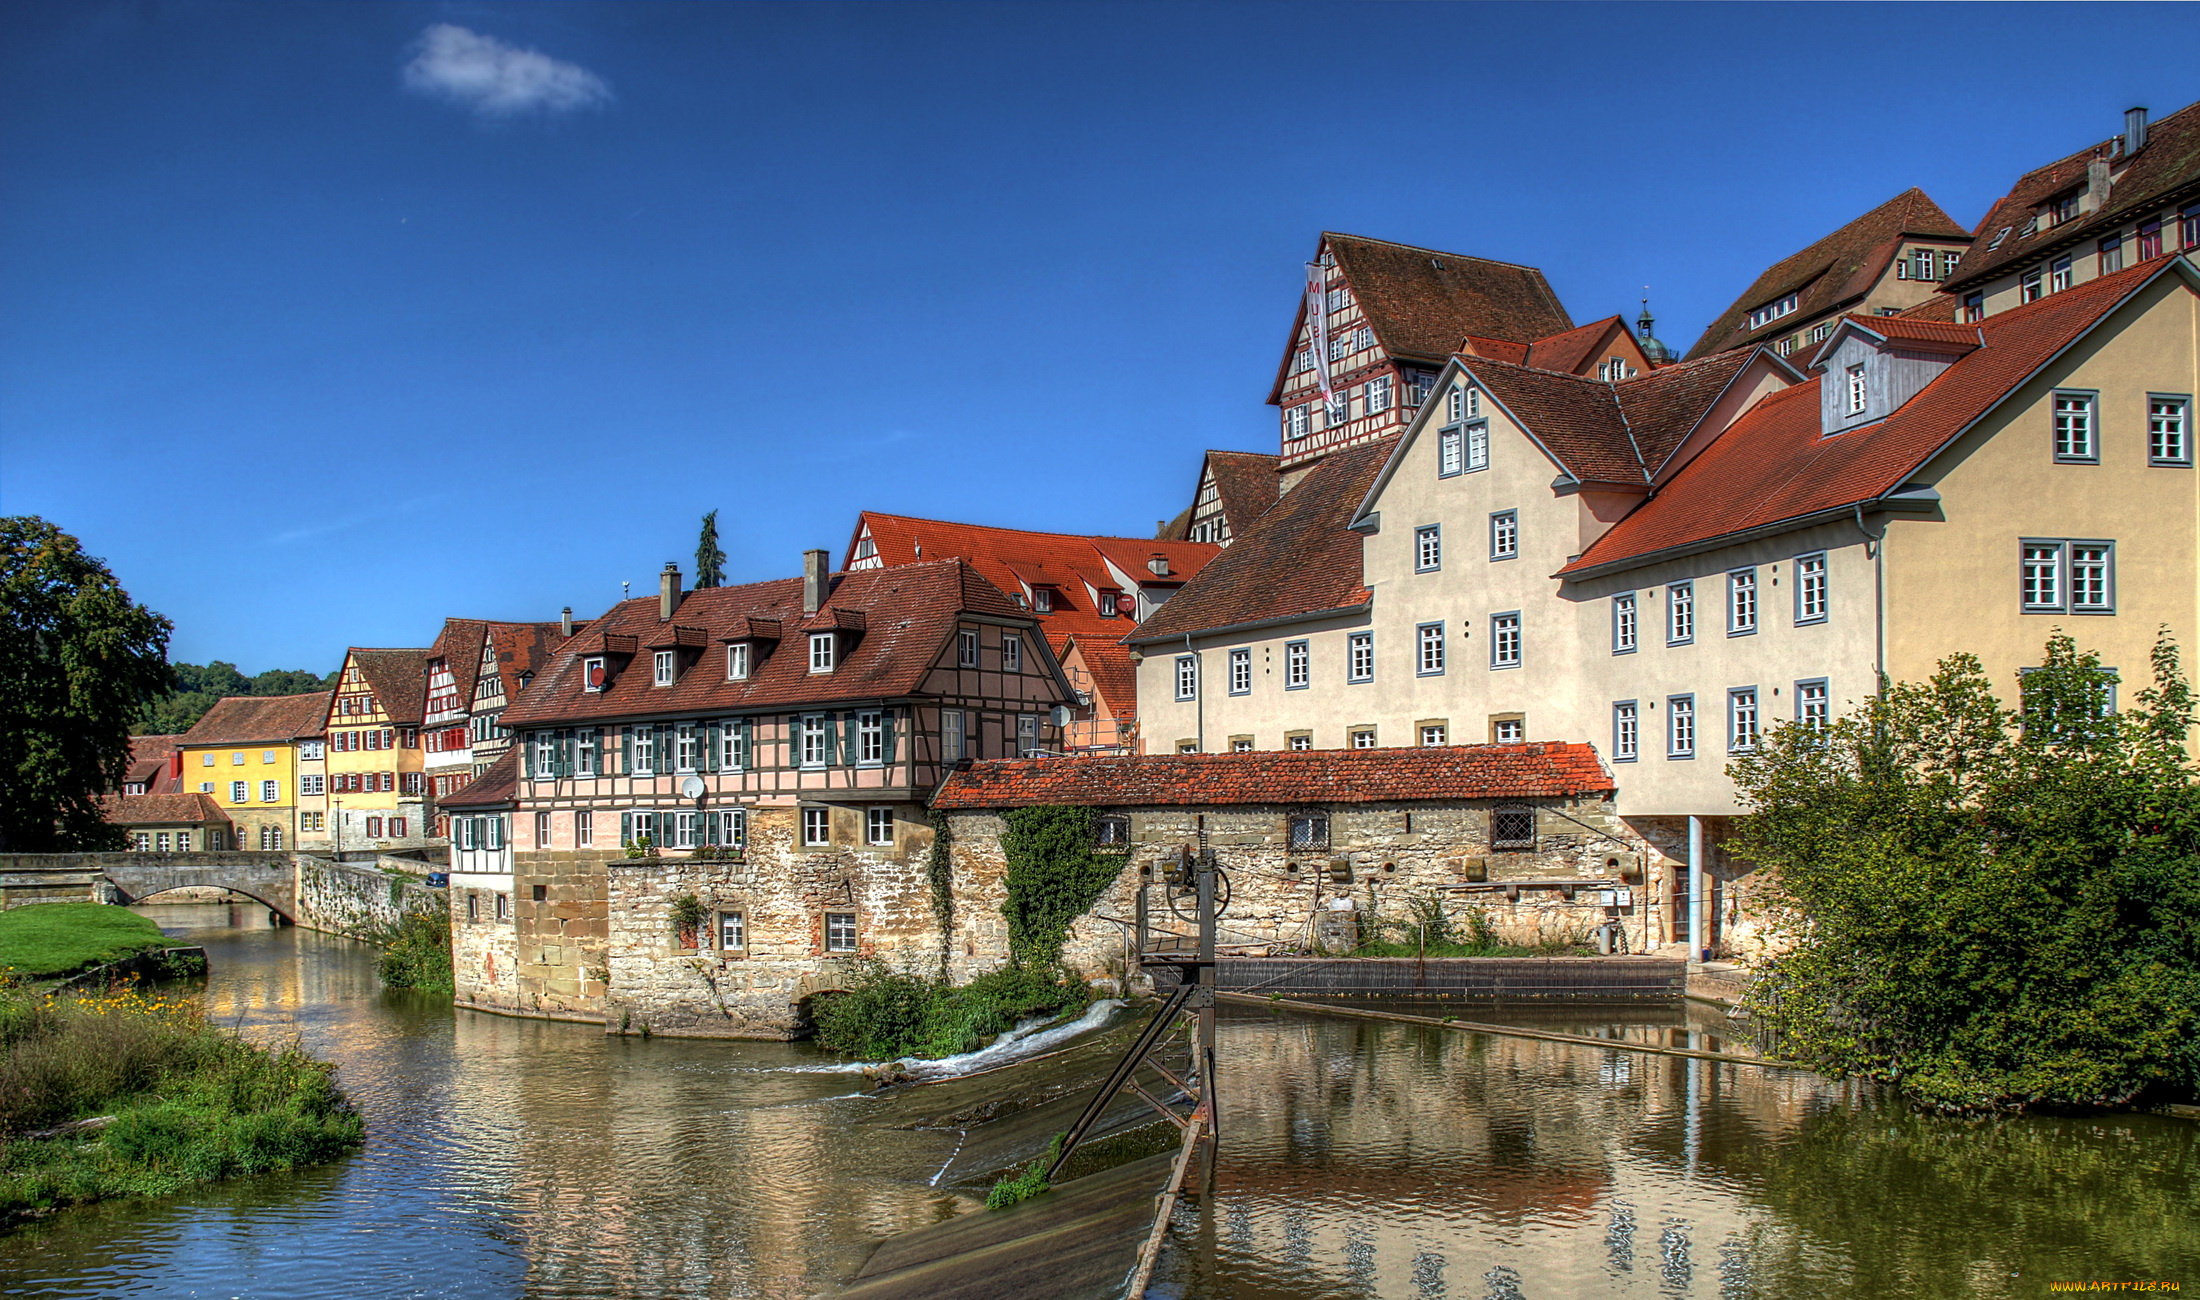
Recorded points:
(813, 581)
(2135, 130)
(565, 623)
(668, 592)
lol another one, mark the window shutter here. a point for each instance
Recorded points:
(626, 749)
(710, 828)
(626, 829)
(526, 742)
(709, 736)
(794, 740)
(886, 735)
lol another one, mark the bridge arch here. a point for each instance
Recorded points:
(270, 879)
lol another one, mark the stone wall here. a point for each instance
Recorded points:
(485, 951)
(1737, 928)
(558, 932)
(362, 902)
(1381, 858)
(686, 984)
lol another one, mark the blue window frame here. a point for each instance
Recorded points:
(1814, 702)
(1680, 613)
(1626, 731)
(1741, 602)
(1505, 639)
(1360, 657)
(1505, 535)
(1428, 650)
(1741, 719)
(1298, 671)
(1241, 671)
(1428, 548)
(1811, 591)
(1680, 726)
(1626, 631)
(1187, 677)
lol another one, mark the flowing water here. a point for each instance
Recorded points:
(512, 1158)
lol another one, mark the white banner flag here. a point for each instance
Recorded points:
(1317, 307)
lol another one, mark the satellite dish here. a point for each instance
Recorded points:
(1062, 715)
(691, 787)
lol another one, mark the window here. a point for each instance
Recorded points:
(1241, 744)
(2111, 254)
(240, 792)
(878, 826)
(1187, 677)
(236, 760)
(733, 933)
(870, 739)
(1741, 719)
(310, 750)
(737, 662)
(1626, 733)
(687, 748)
(1418, 388)
(374, 828)
(1297, 667)
(1042, 599)
(410, 782)
(1298, 420)
(816, 740)
(1187, 747)
(1512, 828)
(542, 830)
(1360, 657)
(2028, 286)
(1811, 703)
(2062, 208)
(733, 828)
(1505, 640)
(952, 749)
(1298, 742)
(1112, 832)
(2075, 441)
(1378, 393)
(1309, 830)
(1741, 602)
(817, 827)
(641, 752)
(2150, 240)
(1012, 653)
(538, 893)
(313, 785)
(821, 652)
(584, 752)
(1451, 452)
(1027, 734)
(683, 830)
(1614, 369)
(397, 828)
(2058, 275)
(840, 932)
(1810, 588)
(584, 830)
(1107, 604)
(1821, 332)
(1512, 730)
(2169, 429)
(1772, 311)
(143, 840)
(1974, 308)
(1623, 623)
(271, 838)
(966, 649)
(1680, 726)
(1435, 733)
(270, 791)
(2092, 589)
(1505, 535)
(1363, 738)
(1429, 651)
(1478, 447)
(1680, 613)
(666, 663)
(1428, 548)
(1856, 391)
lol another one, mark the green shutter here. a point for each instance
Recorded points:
(794, 740)
(626, 750)
(626, 829)
(710, 828)
(744, 742)
(886, 736)
(708, 733)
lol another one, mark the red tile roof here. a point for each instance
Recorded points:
(1546, 770)
(399, 680)
(160, 809)
(149, 756)
(1570, 350)
(2165, 173)
(1300, 558)
(911, 611)
(1114, 676)
(1247, 483)
(1831, 273)
(498, 785)
(459, 646)
(1773, 465)
(523, 648)
(260, 720)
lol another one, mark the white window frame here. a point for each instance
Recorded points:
(1626, 624)
(737, 662)
(1680, 726)
(1012, 653)
(1680, 613)
(1377, 397)
(240, 792)
(1433, 735)
(1813, 702)
(1428, 548)
(1741, 719)
(1298, 669)
(731, 923)
(2169, 429)
(817, 828)
(1027, 734)
(1241, 670)
(271, 792)
(1451, 452)
(1506, 640)
(1813, 589)
(687, 748)
(966, 648)
(2077, 426)
(1478, 445)
(954, 741)
(593, 674)
(1359, 657)
(1361, 738)
(872, 819)
(664, 667)
(840, 932)
(1741, 602)
(1859, 394)
(815, 735)
(1298, 421)
(1505, 535)
(1187, 677)
(870, 739)
(823, 650)
(1428, 649)
(1626, 731)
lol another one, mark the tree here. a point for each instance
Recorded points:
(1990, 909)
(78, 661)
(198, 687)
(710, 562)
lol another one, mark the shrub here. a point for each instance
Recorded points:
(886, 1014)
(416, 953)
(1014, 1189)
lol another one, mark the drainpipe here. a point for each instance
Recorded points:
(1199, 692)
(1699, 892)
(1876, 547)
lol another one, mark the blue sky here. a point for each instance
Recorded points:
(321, 322)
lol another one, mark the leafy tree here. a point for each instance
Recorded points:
(1991, 909)
(710, 562)
(78, 661)
(198, 688)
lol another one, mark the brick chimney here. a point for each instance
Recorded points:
(813, 580)
(668, 592)
(565, 622)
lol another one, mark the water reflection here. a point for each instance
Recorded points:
(511, 1158)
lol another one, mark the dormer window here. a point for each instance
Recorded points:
(1614, 370)
(593, 675)
(1158, 566)
(1771, 312)
(822, 650)
(1042, 599)
(737, 662)
(1107, 604)
(1856, 390)
(1872, 371)
(666, 667)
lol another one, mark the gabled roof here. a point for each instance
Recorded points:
(399, 680)
(496, 786)
(910, 612)
(1832, 272)
(1570, 350)
(192, 809)
(1317, 776)
(1934, 336)
(1300, 558)
(148, 765)
(260, 720)
(1421, 301)
(1114, 676)
(1773, 467)
(1247, 483)
(458, 645)
(2167, 169)
(521, 649)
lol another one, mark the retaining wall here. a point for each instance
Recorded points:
(361, 902)
(1587, 978)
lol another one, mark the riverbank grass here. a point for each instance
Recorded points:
(133, 1094)
(49, 940)
(886, 1014)
(416, 953)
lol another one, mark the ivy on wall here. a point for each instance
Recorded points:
(939, 874)
(1055, 875)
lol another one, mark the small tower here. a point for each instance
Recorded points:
(1657, 353)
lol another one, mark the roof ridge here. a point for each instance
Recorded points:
(1434, 252)
(1035, 532)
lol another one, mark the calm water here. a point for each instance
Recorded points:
(511, 1158)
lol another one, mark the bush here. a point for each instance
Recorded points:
(191, 1103)
(416, 953)
(1989, 908)
(887, 1014)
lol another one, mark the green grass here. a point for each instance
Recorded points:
(50, 939)
(191, 1102)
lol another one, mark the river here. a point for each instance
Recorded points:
(513, 1158)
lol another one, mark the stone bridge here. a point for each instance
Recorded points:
(270, 878)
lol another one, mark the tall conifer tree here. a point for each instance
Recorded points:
(710, 562)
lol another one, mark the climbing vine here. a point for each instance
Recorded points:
(940, 876)
(1055, 874)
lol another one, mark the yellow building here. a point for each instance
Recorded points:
(377, 783)
(244, 755)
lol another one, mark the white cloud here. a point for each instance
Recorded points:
(498, 80)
